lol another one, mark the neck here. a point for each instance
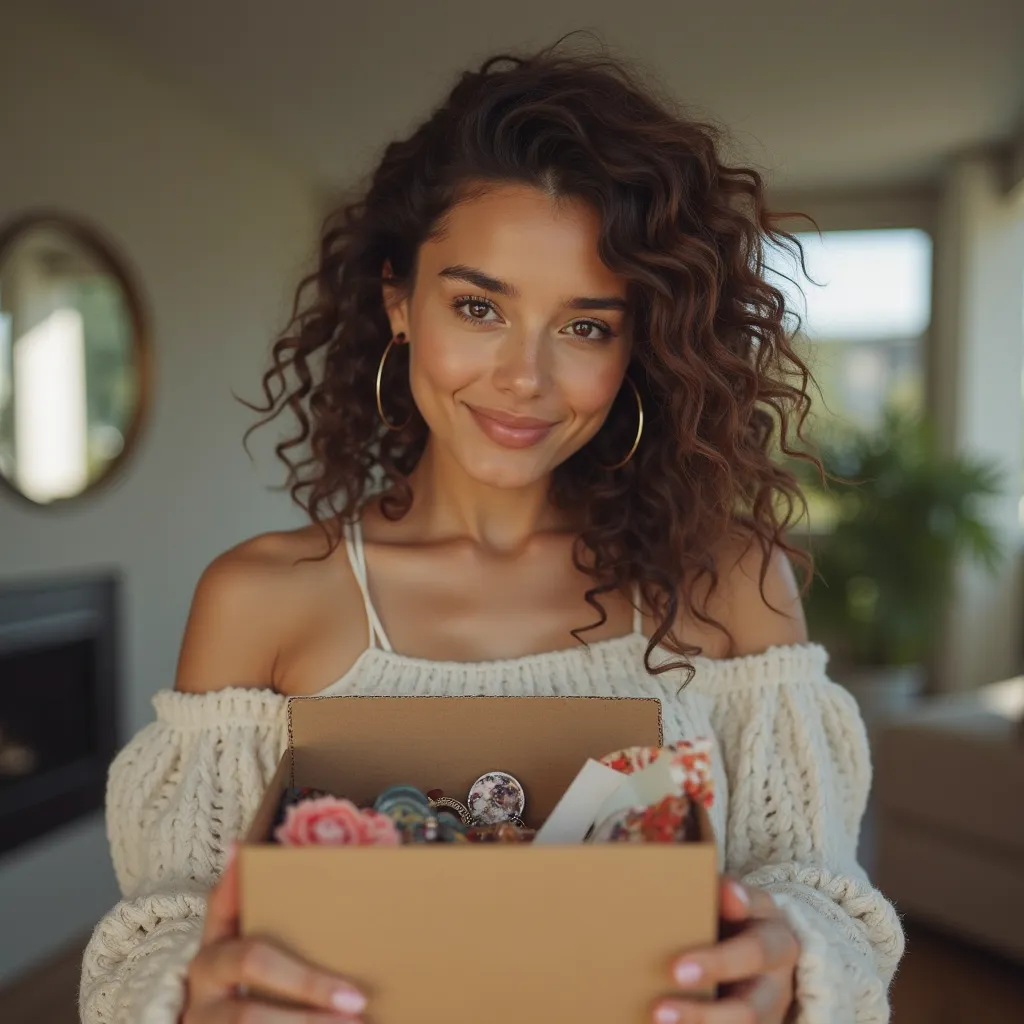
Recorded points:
(450, 503)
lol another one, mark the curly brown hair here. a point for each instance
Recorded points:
(723, 390)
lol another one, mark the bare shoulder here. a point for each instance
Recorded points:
(246, 607)
(758, 612)
(761, 614)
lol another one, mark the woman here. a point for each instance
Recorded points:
(539, 377)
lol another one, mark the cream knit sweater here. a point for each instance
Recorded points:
(792, 770)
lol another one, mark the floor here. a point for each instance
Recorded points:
(48, 994)
(941, 981)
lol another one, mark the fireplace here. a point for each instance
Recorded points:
(58, 697)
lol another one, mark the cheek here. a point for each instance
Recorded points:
(590, 391)
(442, 362)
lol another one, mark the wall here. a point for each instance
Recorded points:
(861, 210)
(216, 231)
(979, 349)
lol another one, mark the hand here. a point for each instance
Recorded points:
(755, 963)
(225, 965)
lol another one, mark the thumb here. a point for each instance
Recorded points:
(222, 903)
(733, 900)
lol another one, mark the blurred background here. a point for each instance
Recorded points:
(163, 171)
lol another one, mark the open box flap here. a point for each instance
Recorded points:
(357, 746)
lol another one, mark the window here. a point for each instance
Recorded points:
(865, 309)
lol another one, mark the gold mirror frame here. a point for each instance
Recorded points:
(92, 241)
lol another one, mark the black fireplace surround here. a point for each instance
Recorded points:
(58, 701)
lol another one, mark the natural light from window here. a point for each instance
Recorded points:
(865, 307)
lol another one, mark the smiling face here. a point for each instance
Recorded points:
(519, 336)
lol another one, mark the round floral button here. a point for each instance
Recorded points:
(496, 797)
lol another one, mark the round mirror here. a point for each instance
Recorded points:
(73, 359)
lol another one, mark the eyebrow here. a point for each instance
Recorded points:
(460, 272)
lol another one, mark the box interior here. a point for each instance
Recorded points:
(448, 742)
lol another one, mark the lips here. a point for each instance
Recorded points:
(508, 430)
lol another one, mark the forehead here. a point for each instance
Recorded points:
(543, 245)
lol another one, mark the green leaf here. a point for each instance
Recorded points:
(902, 514)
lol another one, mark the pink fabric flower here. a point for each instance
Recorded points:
(328, 821)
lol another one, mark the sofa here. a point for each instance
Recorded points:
(949, 801)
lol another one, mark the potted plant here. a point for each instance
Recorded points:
(903, 516)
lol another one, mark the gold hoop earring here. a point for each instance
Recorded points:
(639, 427)
(380, 407)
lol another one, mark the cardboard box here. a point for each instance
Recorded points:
(497, 933)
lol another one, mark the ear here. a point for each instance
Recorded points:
(396, 301)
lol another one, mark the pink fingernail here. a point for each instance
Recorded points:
(666, 1015)
(741, 893)
(229, 857)
(348, 1000)
(688, 973)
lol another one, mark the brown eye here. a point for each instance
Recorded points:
(590, 330)
(475, 310)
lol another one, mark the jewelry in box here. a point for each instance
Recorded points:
(647, 795)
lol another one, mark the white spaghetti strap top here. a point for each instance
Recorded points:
(377, 637)
(357, 558)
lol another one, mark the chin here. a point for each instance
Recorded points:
(506, 471)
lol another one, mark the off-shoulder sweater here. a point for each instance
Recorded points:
(792, 774)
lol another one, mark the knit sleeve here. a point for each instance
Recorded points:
(799, 772)
(177, 795)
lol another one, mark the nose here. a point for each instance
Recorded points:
(521, 368)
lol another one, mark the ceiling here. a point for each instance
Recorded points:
(823, 95)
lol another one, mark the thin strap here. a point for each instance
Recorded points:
(638, 615)
(357, 558)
